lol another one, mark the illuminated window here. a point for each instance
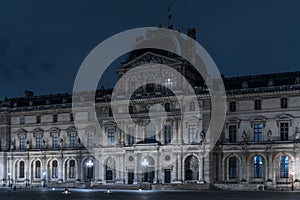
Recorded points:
(258, 166)
(169, 81)
(284, 167)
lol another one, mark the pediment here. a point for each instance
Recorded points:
(148, 57)
(259, 118)
(37, 130)
(284, 116)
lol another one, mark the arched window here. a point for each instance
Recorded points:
(38, 169)
(150, 136)
(22, 169)
(258, 166)
(54, 169)
(232, 167)
(72, 169)
(169, 82)
(284, 167)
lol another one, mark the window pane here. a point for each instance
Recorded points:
(192, 133)
(284, 167)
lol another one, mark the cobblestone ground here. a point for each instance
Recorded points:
(153, 195)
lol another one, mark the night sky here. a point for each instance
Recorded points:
(42, 43)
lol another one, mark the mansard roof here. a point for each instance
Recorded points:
(234, 85)
(264, 80)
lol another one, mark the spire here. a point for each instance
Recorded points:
(170, 26)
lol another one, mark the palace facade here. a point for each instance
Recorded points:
(259, 144)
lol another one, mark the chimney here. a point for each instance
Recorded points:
(191, 32)
(29, 94)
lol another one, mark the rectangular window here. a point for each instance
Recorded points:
(168, 134)
(167, 107)
(232, 106)
(257, 104)
(71, 117)
(90, 138)
(38, 119)
(131, 136)
(232, 167)
(283, 103)
(192, 106)
(284, 131)
(38, 141)
(232, 133)
(258, 132)
(54, 169)
(90, 116)
(22, 141)
(55, 140)
(22, 120)
(284, 167)
(72, 139)
(55, 118)
(192, 133)
(111, 136)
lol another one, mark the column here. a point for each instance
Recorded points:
(201, 178)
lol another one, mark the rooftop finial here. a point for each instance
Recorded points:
(169, 17)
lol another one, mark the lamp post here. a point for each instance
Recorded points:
(8, 179)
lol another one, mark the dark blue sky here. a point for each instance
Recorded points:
(42, 43)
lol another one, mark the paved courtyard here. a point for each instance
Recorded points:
(153, 195)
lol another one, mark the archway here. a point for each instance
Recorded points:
(148, 166)
(110, 170)
(191, 166)
(89, 172)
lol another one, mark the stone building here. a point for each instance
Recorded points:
(259, 143)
